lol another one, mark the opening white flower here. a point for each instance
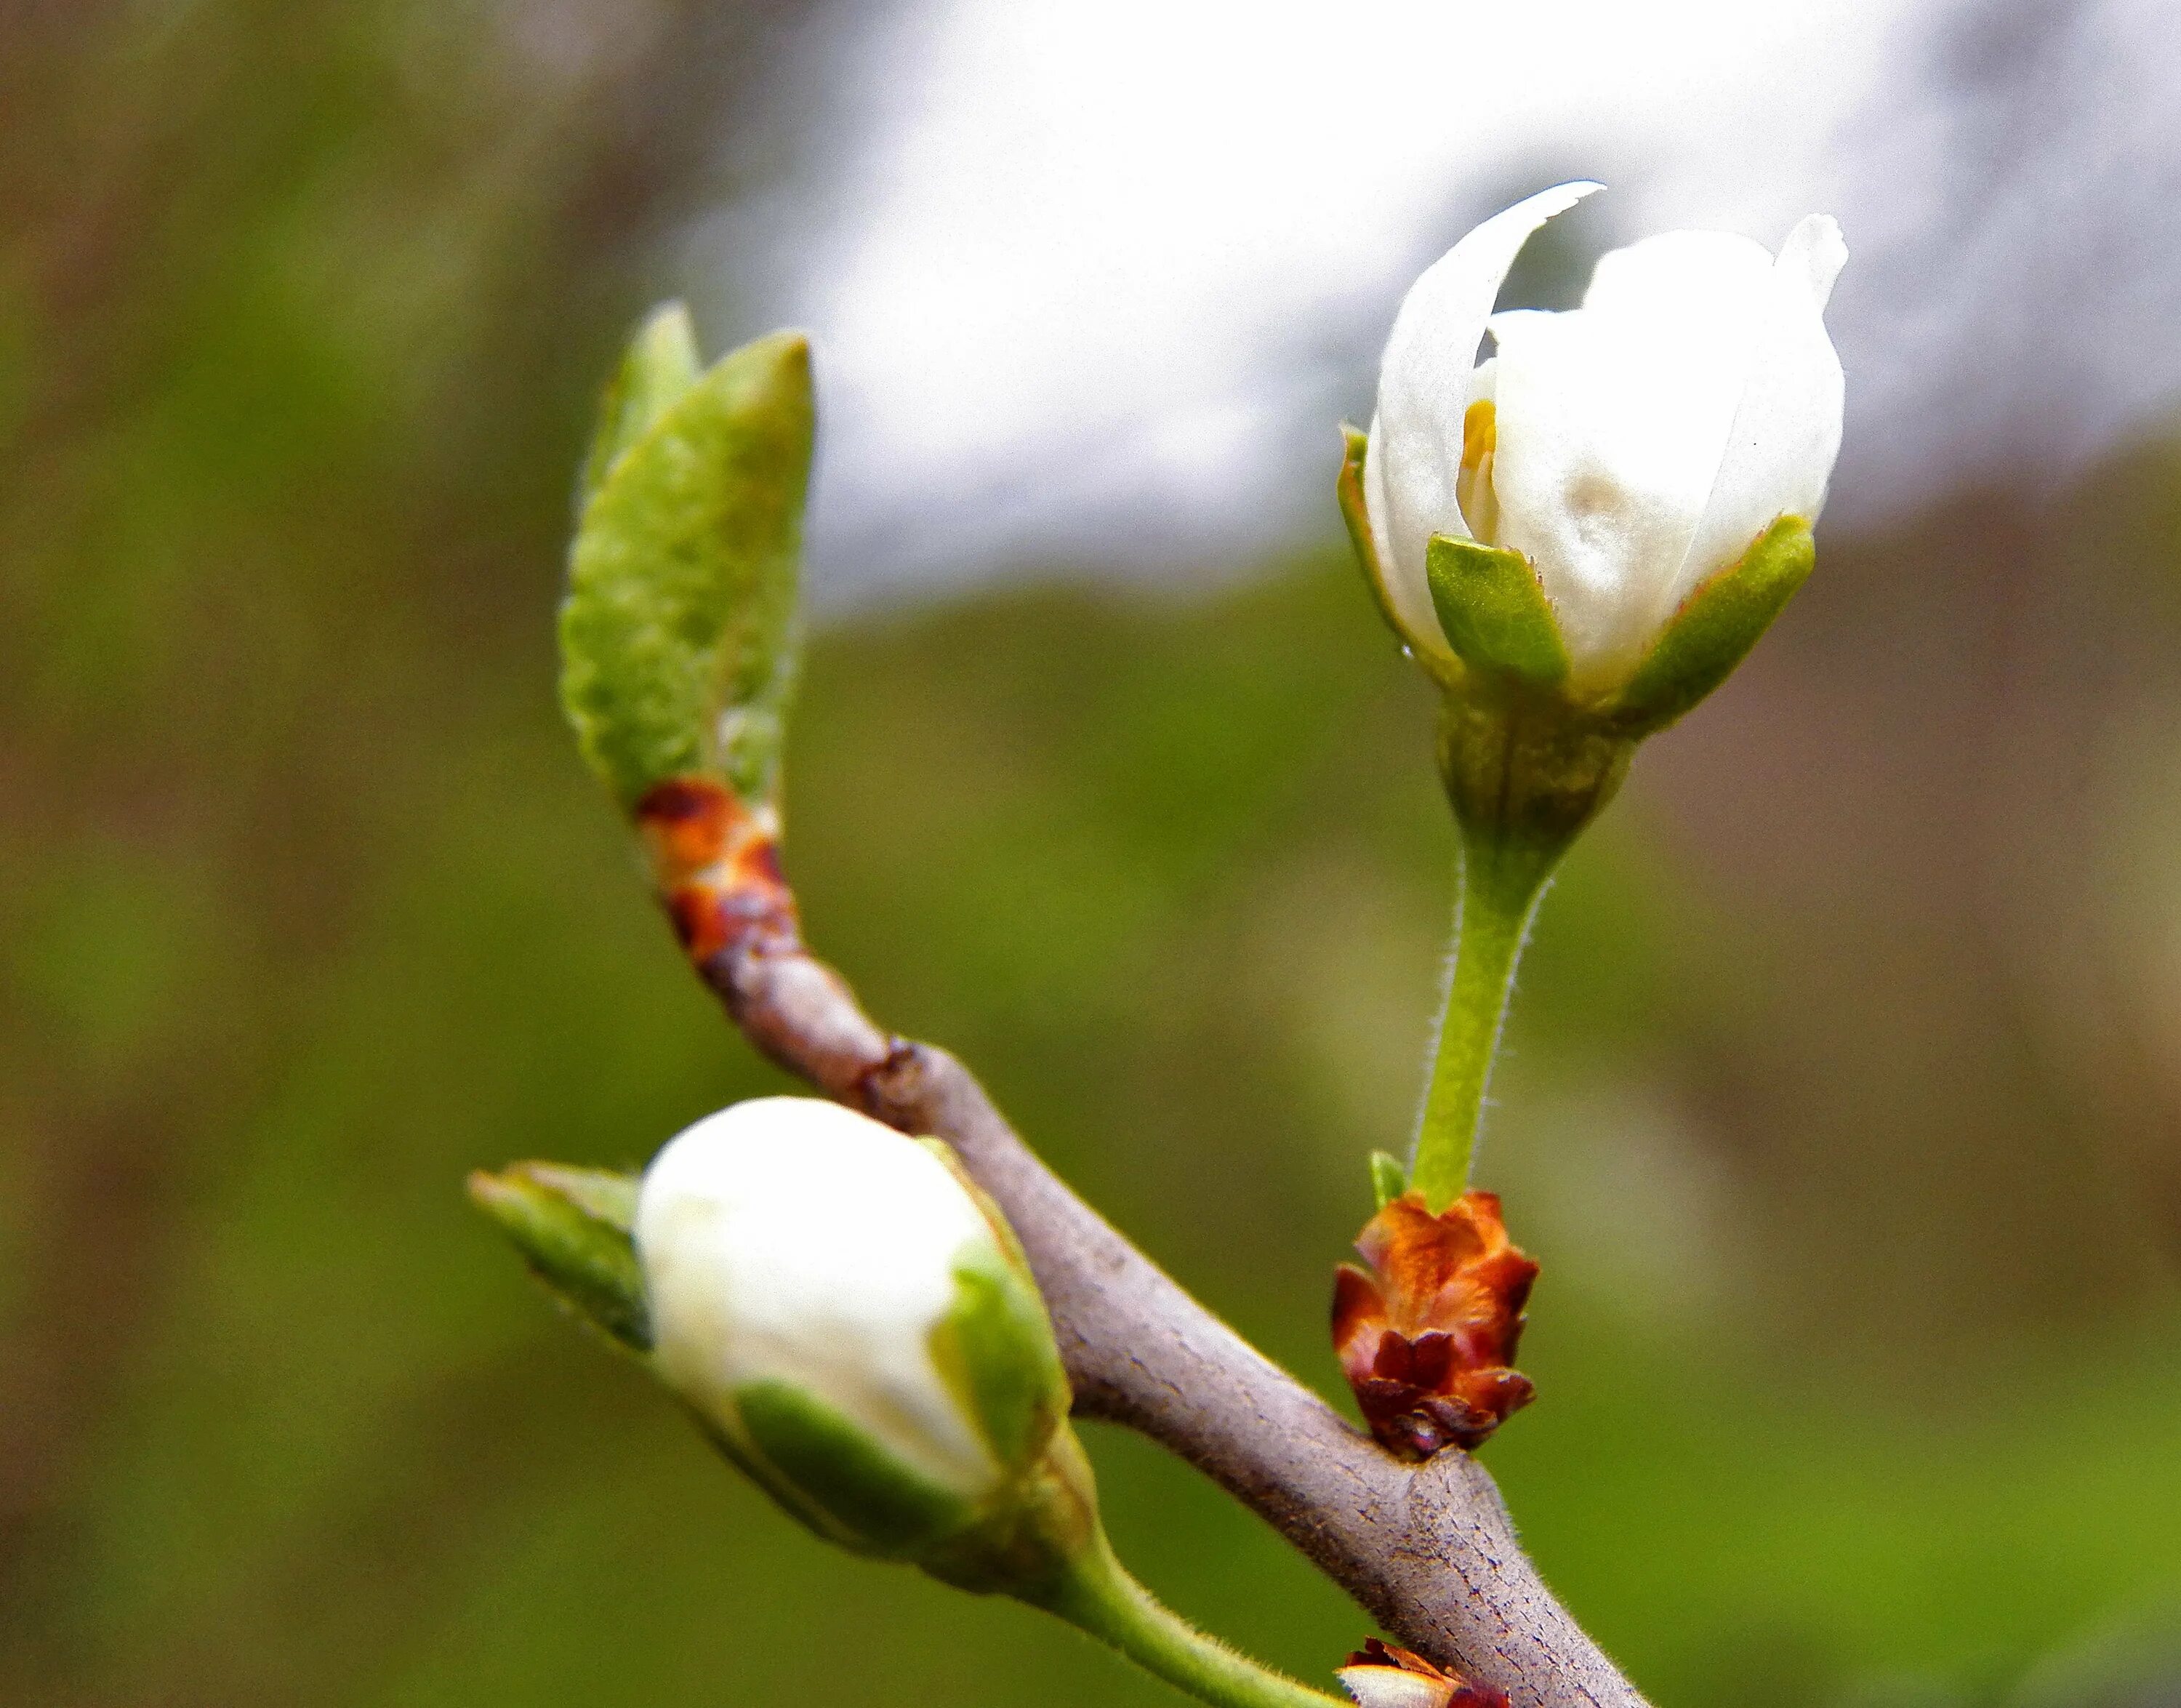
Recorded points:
(1629, 449)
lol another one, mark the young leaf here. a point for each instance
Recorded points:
(659, 365)
(677, 635)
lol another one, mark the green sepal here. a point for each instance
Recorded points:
(572, 1226)
(1715, 627)
(659, 365)
(1389, 1177)
(1494, 611)
(995, 1350)
(1348, 489)
(1356, 511)
(994, 1347)
(868, 1500)
(678, 632)
(1025, 1542)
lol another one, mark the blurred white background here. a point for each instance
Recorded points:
(1089, 292)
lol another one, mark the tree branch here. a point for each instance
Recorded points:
(1428, 1549)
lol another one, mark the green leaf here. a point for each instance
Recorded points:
(880, 1504)
(1389, 1178)
(572, 1226)
(1716, 626)
(678, 634)
(659, 365)
(994, 1349)
(1495, 614)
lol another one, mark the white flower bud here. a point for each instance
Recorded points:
(830, 1299)
(1630, 449)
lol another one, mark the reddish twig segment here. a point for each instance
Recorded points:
(1426, 1334)
(716, 863)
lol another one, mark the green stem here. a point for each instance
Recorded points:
(1502, 879)
(1097, 1595)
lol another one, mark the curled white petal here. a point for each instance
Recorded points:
(1414, 460)
(1786, 430)
(791, 1239)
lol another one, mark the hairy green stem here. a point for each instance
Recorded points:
(1098, 1596)
(1502, 879)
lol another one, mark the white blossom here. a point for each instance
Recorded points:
(1630, 449)
(790, 1240)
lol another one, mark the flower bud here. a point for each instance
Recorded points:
(1550, 514)
(1426, 1334)
(1380, 1676)
(851, 1321)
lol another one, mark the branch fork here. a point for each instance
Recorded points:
(679, 637)
(1427, 1549)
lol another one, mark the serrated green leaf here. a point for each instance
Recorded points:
(678, 634)
(572, 1226)
(880, 1505)
(657, 369)
(1716, 627)
(994, 1349)
(1495, 613)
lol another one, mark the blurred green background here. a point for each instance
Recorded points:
(1844, 1088)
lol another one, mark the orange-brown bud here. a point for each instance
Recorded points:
(717, 866)
(1380, 1676)
(1426, 1334)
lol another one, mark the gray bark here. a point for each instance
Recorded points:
(1429, 1551)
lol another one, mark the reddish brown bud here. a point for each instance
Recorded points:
(1380, 1676)
(717, 866)
(1426, 1334)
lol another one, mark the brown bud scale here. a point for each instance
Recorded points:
(716, 863)
(1427, 1333)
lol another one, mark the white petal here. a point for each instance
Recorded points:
(1611, 426)
(1484, 383)
(789, 1239)
(1813, 257)
(1414, 453)
(1410, 595)
(1695, 276)
(1388, 1687)
(1787, 431)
